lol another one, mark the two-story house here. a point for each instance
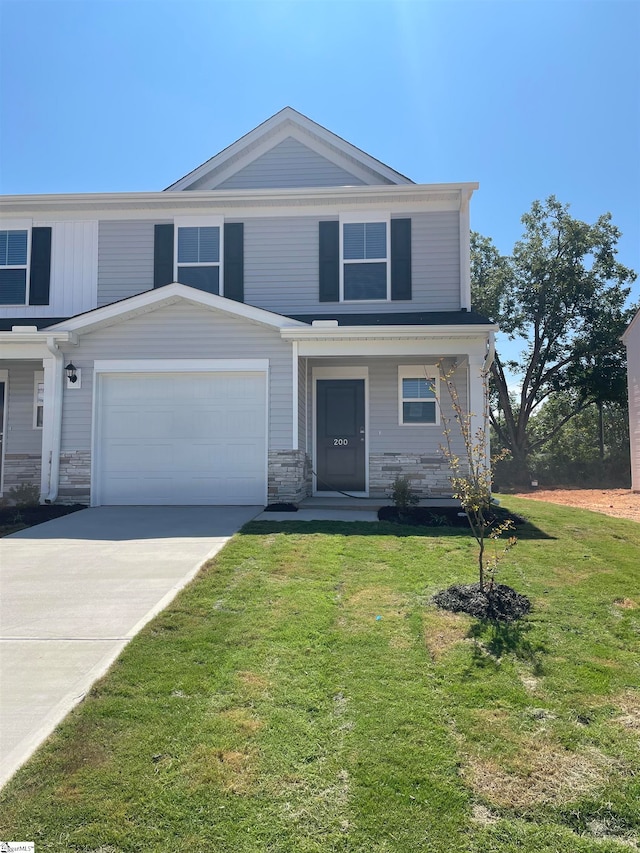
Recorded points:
(266, 328)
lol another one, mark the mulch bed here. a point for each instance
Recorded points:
(443, 516)
(500, 602)
(28, 516)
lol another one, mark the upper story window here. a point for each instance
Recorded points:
(365, 267)
(418, 394)
(13, 266)
(198, 253)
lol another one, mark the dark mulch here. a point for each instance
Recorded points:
(500, 603)
(443, 516)
(281, 507)
(29, 516)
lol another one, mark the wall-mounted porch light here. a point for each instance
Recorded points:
(73, 375)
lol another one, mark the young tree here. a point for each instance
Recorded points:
(563, 293)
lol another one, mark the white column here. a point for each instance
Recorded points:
(478, 401)
(51, 425)
(294, 396)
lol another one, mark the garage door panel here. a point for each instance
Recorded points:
(182, 439)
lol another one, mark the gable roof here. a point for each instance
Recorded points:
(160, 297)
(284, 125)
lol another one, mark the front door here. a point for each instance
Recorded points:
(340, 435)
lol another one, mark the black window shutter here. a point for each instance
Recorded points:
(40, 275)
(329, 261)
(162, 255)
(234, 261)
(401, 259)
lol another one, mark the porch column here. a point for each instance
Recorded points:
(478, 401)
(51, 424)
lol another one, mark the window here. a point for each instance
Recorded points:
(418, 394)
(365, 267)
(13, 266)
(198, 253)
(38, 399)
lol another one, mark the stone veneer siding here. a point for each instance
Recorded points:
(289, 476)
(429, 475)
(21, 469)
(75, 477)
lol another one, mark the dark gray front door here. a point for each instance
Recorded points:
(340, 435)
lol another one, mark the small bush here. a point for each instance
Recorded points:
(402, 494)
(25, 495)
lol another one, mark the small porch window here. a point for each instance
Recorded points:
(38, 399)
(418, 395)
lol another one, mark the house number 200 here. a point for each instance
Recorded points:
(340, 442)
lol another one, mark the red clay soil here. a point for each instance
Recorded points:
(620, 503)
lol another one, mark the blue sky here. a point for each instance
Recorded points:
(528, 98)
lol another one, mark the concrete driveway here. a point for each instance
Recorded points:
(75, 590)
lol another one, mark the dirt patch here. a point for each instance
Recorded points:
(442, 631)
(547, 775)
(229, 769)
(625, 603)
(619, 503)
(243, 721)
(629, 704)
(501, 603)
(253, 681)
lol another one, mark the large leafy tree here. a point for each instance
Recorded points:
(563, 294)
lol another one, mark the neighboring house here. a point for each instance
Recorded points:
(266, 328)
(631, 339)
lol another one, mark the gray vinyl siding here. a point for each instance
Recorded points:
(125, 259)
(20, 436)
(289, 164)
(281, 266)
(181, 332)
(386, 434)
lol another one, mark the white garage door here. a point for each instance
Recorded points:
(181, 438)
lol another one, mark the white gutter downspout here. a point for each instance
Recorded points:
(52, 425)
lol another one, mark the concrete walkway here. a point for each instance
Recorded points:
(75, 590)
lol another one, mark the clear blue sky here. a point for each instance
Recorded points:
(528, 98)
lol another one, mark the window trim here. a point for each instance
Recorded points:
(19, 225)
(200, 222)
(364, 218)
(420, 371)
(38, 379)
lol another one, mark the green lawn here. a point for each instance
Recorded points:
(302, 694)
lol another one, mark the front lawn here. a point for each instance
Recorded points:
(303, 694)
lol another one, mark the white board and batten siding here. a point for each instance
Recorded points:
(74, 272)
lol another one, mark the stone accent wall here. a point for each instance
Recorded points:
(289, 476)
(21, 469)
(429, 475)
(75, 477)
